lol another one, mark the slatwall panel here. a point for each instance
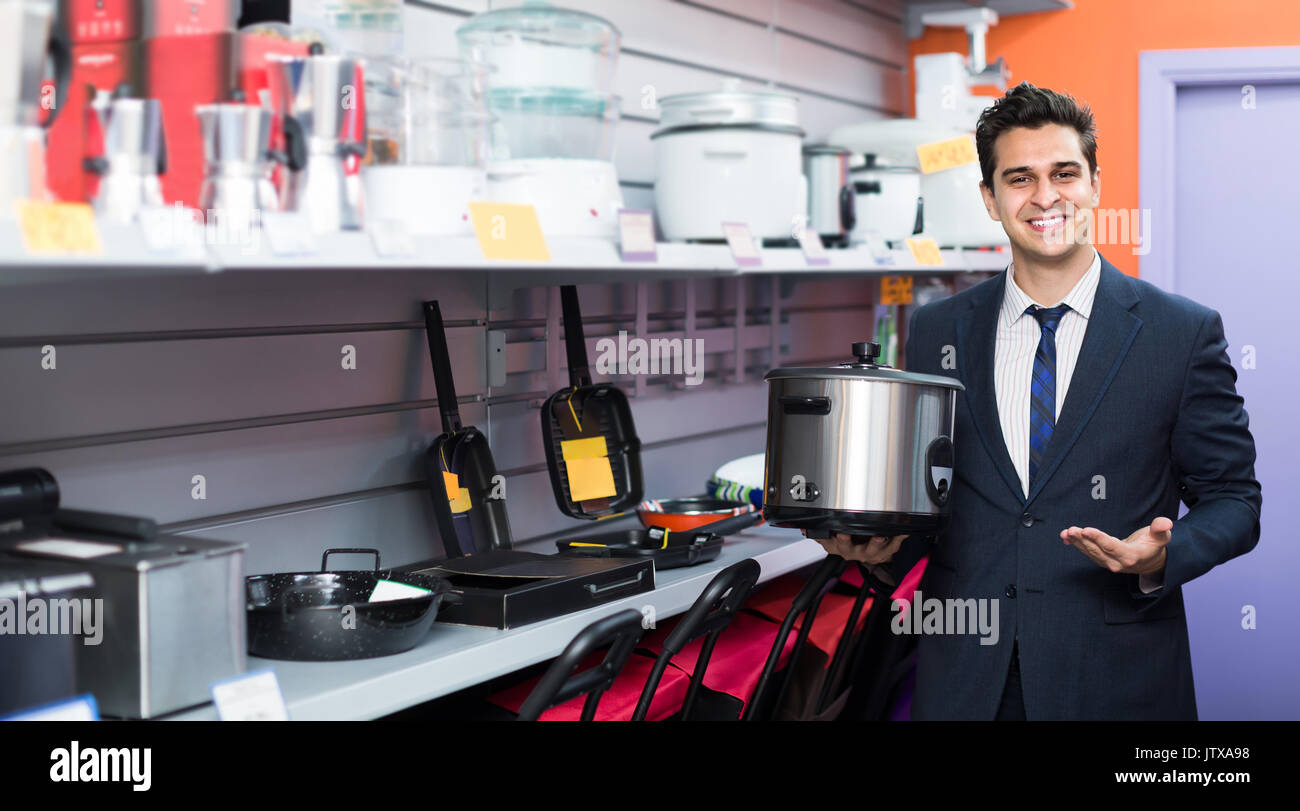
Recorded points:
(237, 377)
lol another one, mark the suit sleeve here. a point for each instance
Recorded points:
(1213, 454)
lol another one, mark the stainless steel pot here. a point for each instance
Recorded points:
(831, 203)
(859, 448)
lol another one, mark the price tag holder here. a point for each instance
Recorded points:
(741, 240)
(390, 239)
(251, 696)
(59, 229)
(636, 236)
(288, 233)
(509, 232)
(895, 290)
(879, 248)
(814, 252)
(925, 251)
(948, 154)
(81, 708)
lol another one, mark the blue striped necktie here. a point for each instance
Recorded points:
(1042, 389)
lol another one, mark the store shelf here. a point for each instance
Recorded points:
(128, 254)
(456, 657)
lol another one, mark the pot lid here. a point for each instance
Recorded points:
(865, 366)
(542, 22)
(729, 107)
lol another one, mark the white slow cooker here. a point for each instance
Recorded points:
(729, 156)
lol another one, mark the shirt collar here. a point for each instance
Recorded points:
(1015, 301)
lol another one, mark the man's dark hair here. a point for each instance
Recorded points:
(1027, 106)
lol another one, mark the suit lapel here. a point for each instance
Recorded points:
(977, 341)
(1111, 330)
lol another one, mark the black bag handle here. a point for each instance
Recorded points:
(575, 343)
(441, 367)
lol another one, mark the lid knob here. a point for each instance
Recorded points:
(866, 352)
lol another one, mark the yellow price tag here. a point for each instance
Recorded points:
(590, 473)
(457, 496)
(896, 290)
(590, 448)
(925, 251)
(948, 154)
(59, 228)
(509, 232)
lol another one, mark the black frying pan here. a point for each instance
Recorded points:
(326, 616)
(461, 450)
(584, 411)
(670, 550)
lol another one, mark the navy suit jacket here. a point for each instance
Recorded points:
(1153, 409)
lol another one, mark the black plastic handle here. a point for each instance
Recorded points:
(866, 187)
(575, 343)
(59, 47)
(731, 524)
(122, 526)
(920, 215)
(815, 406)
(442, 377)
(324, 565)
(848, 208)
(295, 144)
(596, 591)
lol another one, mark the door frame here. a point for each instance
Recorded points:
(1161, 74)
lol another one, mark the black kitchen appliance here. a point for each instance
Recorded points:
(333, 615)
(168, 609)
(468, 496)
(592, 450)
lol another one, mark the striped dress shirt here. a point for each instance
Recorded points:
(1013, 361)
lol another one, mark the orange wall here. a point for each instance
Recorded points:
(1091, 52)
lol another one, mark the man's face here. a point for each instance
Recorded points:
(1042, 192)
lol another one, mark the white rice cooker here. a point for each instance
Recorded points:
(729, 156)
(954, 209)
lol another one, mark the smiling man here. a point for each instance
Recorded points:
(1094, 403)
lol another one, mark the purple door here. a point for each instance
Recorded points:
(1234, 229)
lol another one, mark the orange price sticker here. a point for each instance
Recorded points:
(896, 290)
(948, 154)
(59, 228)
(925, 251)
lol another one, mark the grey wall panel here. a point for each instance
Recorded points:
(233, 300)
(400, 525)
(139, 386)
(250, 469)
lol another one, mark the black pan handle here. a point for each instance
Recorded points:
(596, 591)
(441, 367)
(731, 524)
(324, 566)
(575, 343)
(817, 406)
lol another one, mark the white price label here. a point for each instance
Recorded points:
(253, 696)
(288, 233)
(390, 239)
(741, 240)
